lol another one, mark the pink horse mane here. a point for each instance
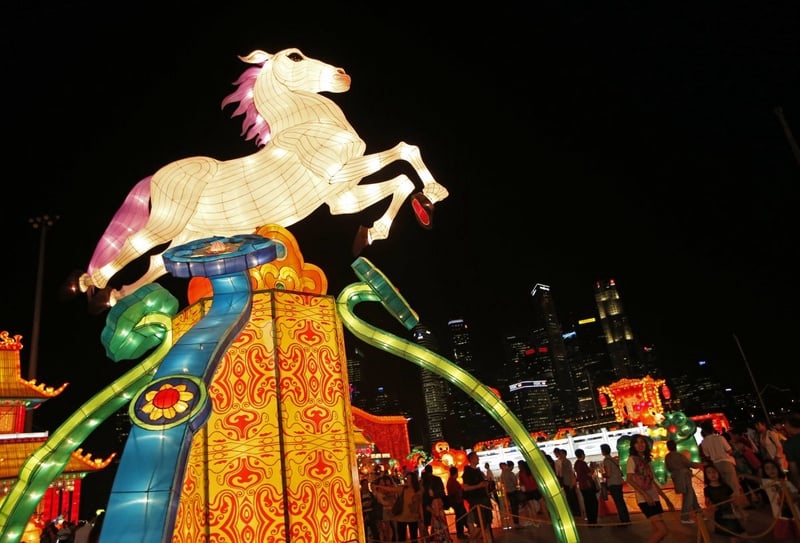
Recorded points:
(134, 211)
(253, 124)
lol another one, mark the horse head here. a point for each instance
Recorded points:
(286, 72)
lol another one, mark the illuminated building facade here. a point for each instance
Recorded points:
(530, 376)
(589, 362)
(434, 390)
(619, 336)
(548, 335)
(466, 422)
(354, 364)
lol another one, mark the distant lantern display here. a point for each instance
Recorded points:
(636, 400)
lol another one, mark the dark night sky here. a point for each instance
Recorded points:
(619, 139)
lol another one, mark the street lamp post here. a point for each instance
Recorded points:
(41, 223)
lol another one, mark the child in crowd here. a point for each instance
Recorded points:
(773, 483)
(719, 499)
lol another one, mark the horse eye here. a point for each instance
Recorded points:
(296, 57)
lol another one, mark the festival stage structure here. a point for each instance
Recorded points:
(242, 427)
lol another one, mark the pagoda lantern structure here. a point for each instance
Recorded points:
(18, 396)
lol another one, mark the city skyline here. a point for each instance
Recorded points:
(493, 374)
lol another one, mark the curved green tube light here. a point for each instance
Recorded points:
(140, 321)
(375, 287)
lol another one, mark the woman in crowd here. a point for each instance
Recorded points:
(642, 478)
(410, 516)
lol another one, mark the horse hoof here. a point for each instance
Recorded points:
(361, 241)
(100, 301)
(423, 210)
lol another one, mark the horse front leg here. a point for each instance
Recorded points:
(360, 167)
(361, 197)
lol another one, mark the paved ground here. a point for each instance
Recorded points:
(639, 531)
(759, 527)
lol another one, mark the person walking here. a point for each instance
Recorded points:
(410, 516)
(791, 447)
(680, 469)
(432, 490)
(568, 482)
(492, 488)
(770, 444)
(642, 478)
(455, 497)
(510, 501)
(614, 481)
(530, 490)
(386, 492)
(585, 481)
(369, 505)
(477, 495)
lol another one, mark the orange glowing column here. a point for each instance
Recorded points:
(276, 460)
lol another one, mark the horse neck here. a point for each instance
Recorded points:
(283, 109)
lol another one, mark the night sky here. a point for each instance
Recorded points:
(614, 140)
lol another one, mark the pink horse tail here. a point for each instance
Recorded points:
(130, 217)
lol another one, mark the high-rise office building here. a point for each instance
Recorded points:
(435, 390)
(467, 422)
(548, 335)
(529, 371)
(588, 360)
(355, 361)
(620, 342)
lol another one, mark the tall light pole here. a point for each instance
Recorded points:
(753, 379)
(41, 223)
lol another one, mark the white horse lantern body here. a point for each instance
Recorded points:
(309, 155)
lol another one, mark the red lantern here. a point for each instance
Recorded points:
(603, 400)
(665, 392)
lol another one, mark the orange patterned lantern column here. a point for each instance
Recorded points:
(276, 460)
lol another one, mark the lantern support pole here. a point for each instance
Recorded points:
(753, 379)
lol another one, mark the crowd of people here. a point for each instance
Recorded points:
(66, 531)
(741, 469)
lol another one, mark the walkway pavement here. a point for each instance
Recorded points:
(757, 524)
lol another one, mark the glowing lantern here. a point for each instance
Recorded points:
(603, 400)
(666, 392)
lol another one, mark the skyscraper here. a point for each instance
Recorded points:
(354, 363)
(530, 374)
(467, 422)
(620, 342)
(435, 390)
(548, 334)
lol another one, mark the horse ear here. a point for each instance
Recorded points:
(256, 57)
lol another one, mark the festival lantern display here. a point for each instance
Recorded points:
(308, 155)
(635, 400)
(242, 426)
(638, 401)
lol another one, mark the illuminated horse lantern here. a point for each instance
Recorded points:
(309, 155)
